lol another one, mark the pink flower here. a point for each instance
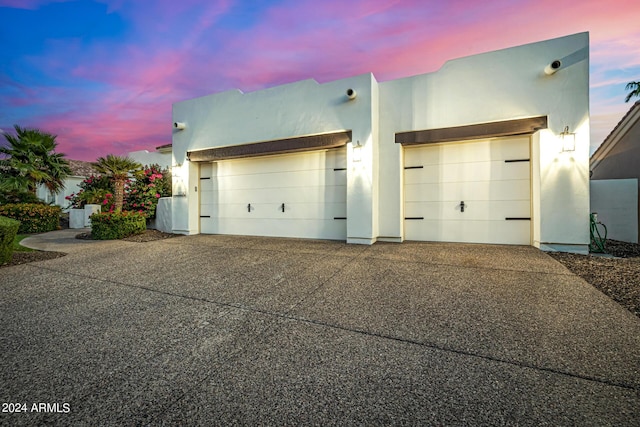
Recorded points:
(135, 205)
(157, 196)
(109, 195)
(105, 201)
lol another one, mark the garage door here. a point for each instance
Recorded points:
(292, 195)
(476, 191)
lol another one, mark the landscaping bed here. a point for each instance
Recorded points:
(618, 278)
(27, 257)
(147, 236)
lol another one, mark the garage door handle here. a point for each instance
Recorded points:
(282, 207)
(249, 207)
(462, 206)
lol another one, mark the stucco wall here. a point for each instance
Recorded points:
(147, 158)
(296, 109)
(622, 161)
(71, 186)
(616, 203)
(502, 85)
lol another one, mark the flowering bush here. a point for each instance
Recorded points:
(143, 192)
(94, 190)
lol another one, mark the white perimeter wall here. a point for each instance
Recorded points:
(616, 203)
(502, 85)
(292, 110)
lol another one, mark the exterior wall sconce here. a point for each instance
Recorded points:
(568, 140)
(179, 188)
(357, 151)
(179, 125)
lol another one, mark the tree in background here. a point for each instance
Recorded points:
(117, 168)
(634, 87)
(30, 159)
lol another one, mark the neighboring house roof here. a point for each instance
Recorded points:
(81, 168)
(624, 125)
(165, 147)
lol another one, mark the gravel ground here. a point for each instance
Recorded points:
(618, 278)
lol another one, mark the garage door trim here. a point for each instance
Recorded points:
(278, 146)
(478, 131)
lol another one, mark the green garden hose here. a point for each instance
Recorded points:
(597, 241)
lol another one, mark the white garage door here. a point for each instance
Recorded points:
(476, 191)
(292, 195)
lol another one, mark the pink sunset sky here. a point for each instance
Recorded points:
(103, 74)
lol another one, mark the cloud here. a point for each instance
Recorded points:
(28, 4)
(103, 90)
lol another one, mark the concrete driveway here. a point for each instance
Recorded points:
(219, 330)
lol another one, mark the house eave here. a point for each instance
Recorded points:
(619, 131)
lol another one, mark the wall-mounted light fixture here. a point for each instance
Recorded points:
(179, 187)
(357, 151)
(179, 125)
(553, 67)
(568, 140)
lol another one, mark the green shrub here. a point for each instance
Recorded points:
(8, 230)
(14, 196)
(33, 217)
(114, 225)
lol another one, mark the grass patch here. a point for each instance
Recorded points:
(17, 247)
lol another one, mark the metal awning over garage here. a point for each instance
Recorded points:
(478, 131)
(279, 146)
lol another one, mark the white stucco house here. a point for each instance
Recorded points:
(491, 148)
(161, 156)
(80, 170)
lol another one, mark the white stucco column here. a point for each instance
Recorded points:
(561, 190)
(184, 206)
(360, 178)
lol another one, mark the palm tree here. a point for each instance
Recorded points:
(118, 169)
(30, 159)
(634, 87)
